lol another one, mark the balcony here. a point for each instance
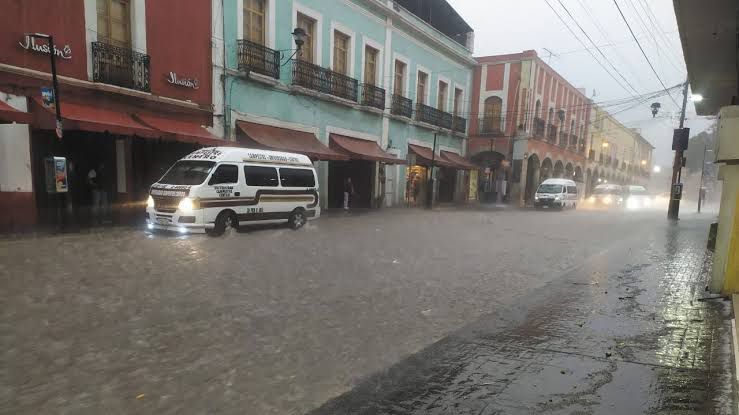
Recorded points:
(591, 155)
(552, 133)
(539, 127)
(429, 115)
(491, 126)
(615, 163)
(460, 124)
(446, 120)
(373, 96)
(119, 66)
(401, 106)
(254, 57)
(324, 80)
(581, 146)
(563, 139)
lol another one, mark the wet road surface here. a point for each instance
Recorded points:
(367, 309)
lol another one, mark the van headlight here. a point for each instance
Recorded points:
(558, 197)
(591, 199)
(150, 202)
(186, 205)
(608, 200)
(536, 197)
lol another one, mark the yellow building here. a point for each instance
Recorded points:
(616, 154)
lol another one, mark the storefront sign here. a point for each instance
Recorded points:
(186, 82)
(56, 174)
(29, 43)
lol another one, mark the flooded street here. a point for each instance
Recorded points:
(389, 312)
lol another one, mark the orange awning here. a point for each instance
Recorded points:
(424, 155)
(284, 139)
(461, 162)
(360, 149)
(180, 130)
(93, 118)
(9, 114)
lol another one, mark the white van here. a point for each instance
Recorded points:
(220, 187)
(556, 193)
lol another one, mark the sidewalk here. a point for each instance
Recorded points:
(631, 331)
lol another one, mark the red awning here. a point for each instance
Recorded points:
(285, 139)
(180, 130)
(424, 155)
(461, 162)
(9, 114)
(360, 149)
(93, 118)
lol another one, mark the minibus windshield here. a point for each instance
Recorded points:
(550, 188)
(188, 172)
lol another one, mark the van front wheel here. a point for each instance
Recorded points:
(224, 220)
(297, 219)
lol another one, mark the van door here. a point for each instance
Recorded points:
(261, 187)
(222, 191)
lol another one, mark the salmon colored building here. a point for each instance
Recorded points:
(528, 124)
(135, 88)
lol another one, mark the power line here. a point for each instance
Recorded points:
(596, 47)
(644, 53)
(589, 51)
(647, 30)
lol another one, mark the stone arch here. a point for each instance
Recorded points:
(546, 169)
(492, 169)
(559, 169)
(578, 177)
(569, 171)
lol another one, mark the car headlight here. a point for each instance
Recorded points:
(647, 202)
(632, 203)
(591, 199)
(607, 200)
(150, 202)
(536, 197)
(558, 197)
(186, 205)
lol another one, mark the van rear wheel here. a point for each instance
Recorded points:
(297, 219)
(224, 220)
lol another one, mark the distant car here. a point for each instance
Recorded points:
(637, 197)
(556, 193)
(606, 196)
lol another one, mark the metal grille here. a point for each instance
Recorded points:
(324, 80)
(258, 58)
(120, 66)
(460, 124)
(445, 120)
(167, 204)
(373, 96)
(401, 106)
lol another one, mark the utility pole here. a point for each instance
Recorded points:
(703, 169)
(430, 192)
(677, 166)
(54, 81)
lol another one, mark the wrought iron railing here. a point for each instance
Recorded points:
(552, 132)
(373, 96)
(258, 58)
(581, 146)
(539, 127)
(491, 125)
(460, 124)
(573, 140)
(120, 66)
(324, 80)
(445, 120)
(427, 114)
(401, 106)
(563, 139)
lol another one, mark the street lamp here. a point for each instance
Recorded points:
(299, 37)
(657, 169)
(605, 144)
(696, 97)
(54, 81)
(655, 108)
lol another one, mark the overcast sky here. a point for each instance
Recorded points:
(513, 26)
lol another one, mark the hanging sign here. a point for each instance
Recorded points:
(173, 79)
(47, 97)
(29, 43)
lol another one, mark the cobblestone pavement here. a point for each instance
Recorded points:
(273, 321)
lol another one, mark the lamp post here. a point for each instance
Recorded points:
(430, 192)
(673, 210)
(54, 81)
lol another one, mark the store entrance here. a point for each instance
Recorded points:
(416, 186)
(447, 178)
(361, 173)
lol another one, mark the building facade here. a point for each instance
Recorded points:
(616, 154)
(135, 94)
(530, 124)
(373, 85)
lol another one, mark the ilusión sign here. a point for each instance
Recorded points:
(29, 43)
(173, 79)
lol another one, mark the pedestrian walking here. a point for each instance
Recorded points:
(96, 184)
(348, 192)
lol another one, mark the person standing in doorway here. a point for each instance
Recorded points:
(95, 182)
(348, 192)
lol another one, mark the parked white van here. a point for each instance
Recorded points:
(215, 188)
(556, 193)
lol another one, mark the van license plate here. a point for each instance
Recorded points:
(546, 206)
(164, 221)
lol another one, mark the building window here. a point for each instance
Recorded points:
(421, 87)
(457, 106)
(254, 12)
(442, 96)
(400, 69)
(537, 110)
(341, 53)
(309, 25)
(114, 22)
(492, 114)
(370, 65)
(550, 117)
